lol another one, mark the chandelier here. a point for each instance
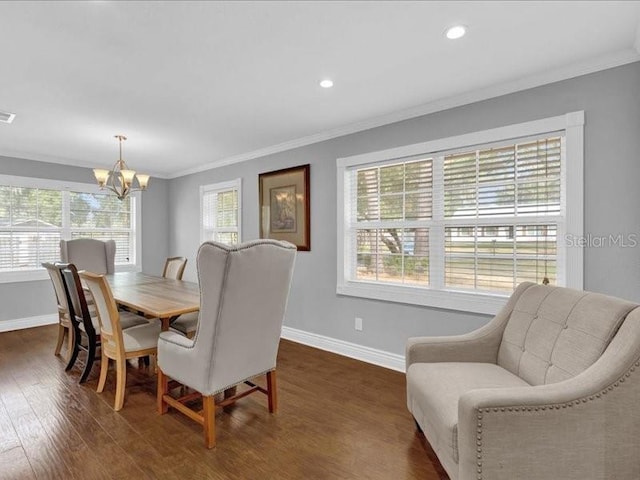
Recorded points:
(120, 178)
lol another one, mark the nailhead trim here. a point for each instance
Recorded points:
(480, 411)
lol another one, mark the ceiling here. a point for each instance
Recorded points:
(196, 84)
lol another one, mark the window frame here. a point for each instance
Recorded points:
(65, 230)
(570, 257)
(219, 187)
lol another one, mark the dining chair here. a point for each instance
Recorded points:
(118, 344)
(243, 296)
(65, 328)
(186, 323)
(84, 319)
(89, 254)
(174, 267)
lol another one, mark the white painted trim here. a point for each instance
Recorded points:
(65, 187)
(483, 137)
(40, 157)
(574, 222)
(374, 356)
(483, 303)
(604, 62)
(28, 322)
(636, 44)
(235, 184)
(572, 127)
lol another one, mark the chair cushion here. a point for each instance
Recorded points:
(127, 320)
(141, 337)
(433, 391)
(187, 323)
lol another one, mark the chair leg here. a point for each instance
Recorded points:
(273, 394)
(121, 381)
(209, 413)
(62, 331)
(74, 350)
(104, 367)
(91, 357)
(163, 389)
(70, 339)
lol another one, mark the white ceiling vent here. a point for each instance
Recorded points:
(6, 117)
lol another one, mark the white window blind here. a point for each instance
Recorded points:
(511, 198)
(104, 217)
(220, 212)
(35, 214)
(390, 205)
(30, 227)
(458, 226)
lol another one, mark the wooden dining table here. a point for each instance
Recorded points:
(157, 297)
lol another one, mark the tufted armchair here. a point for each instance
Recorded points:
(548, 389)
(243, 297)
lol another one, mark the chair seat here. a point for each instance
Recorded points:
(127, 320)
(186, 323)
(141, 337)
(436, 409)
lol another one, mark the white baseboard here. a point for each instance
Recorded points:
(352, 350)
(28, 322)
(348, 349)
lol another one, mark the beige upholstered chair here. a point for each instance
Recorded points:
(65, 328)
(549, 389)
(117, 343)
(89, 254)
(174, 267)
(188, 322)
(244, 290)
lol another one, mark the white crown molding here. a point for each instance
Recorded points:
(28, 322)
(605, 62)
(381, 358)
(38, 157)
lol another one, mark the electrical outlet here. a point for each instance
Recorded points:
(358, 325)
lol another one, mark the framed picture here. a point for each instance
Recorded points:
(285, 212)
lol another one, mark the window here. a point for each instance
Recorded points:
(460, 222)
(220, 212)
(35, 214)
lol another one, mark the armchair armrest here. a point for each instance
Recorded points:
(478, 346)
(176, 339)
(584, 427)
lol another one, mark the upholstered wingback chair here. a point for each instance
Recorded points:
(89, 254)
(243, 297)
(549, 389)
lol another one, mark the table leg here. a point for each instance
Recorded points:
(165, 323)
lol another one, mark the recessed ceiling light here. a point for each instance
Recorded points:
(455, 32)
(6, 117)
(326, 83)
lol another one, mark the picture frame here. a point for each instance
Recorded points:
(285, 211)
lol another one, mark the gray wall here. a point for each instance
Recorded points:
(611, 101)
(28, 299)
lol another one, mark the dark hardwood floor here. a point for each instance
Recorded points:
(338, 419)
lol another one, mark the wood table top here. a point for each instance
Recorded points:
(156, 296)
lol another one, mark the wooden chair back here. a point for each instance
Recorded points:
(107, 310)
(78, 307)
(174, 267)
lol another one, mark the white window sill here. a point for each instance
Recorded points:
(41, 274)
(488, 304)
